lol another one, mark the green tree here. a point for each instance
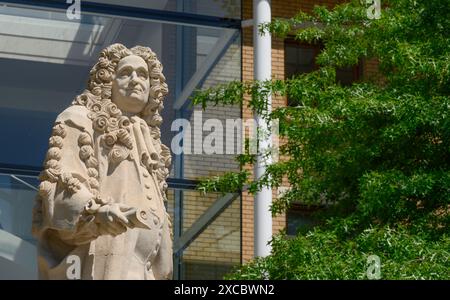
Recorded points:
(377, 151)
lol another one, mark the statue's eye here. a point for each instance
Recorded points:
(143, 74)
(125, 72)
(155, 77)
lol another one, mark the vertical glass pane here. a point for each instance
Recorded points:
(171, 203)
(299, 59)
(346, 76)
(215, 140)
(194, 205)
(217, 250)
(16, 204)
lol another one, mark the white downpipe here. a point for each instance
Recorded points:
(262, 47)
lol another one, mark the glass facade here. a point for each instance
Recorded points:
(45, 60)
(217, 249)
(216, 8)
(15, 205)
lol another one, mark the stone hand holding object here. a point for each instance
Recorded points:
(111, 219)
(114, 219)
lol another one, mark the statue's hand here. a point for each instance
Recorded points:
(111, 219)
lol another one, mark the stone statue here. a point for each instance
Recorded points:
(100, 206)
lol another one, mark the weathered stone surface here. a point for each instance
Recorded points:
(103, 187)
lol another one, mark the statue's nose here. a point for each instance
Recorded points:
(134, 77)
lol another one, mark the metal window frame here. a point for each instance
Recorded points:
(29, 171)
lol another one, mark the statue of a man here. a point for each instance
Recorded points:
(100, 206)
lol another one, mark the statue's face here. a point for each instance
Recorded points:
(131, 84)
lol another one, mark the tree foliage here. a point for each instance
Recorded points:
(377, 152)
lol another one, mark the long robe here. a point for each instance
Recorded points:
(79, 167)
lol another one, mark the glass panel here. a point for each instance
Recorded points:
(217, 249)
(300, 218)
(45, 61)
(346, 76)
(299, 59)
(198, 165)
(170, 206)
(290, 54)
(194, 205)
(217, 8)
(16, 204)
(211, 152)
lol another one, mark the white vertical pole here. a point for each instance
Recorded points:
(262, 47)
